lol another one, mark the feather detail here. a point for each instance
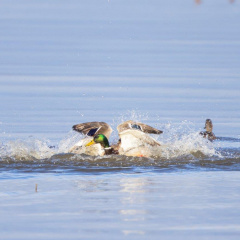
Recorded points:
(93, 128)
(137, 126)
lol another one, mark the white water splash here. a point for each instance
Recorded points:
(134, 115)
(176, 141)
(69, 141)
(30, 148)
(188, 144)
(184, 139)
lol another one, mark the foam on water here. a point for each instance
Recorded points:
(180, 143)
(184, 139)
(28, 149)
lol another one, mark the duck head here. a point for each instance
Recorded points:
(100, 138)
(208, 125)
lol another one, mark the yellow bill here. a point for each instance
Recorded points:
(90, 143)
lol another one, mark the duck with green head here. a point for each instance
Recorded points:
(100, 138)
(103, 141)
(134, 139)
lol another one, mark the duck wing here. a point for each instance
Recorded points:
(93, 128)
(137, 126)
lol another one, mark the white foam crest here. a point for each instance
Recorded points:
(188, 144)
(29, 148)
(176, 141)
(184, 139)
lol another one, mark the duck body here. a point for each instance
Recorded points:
(209, 130)
(137, 143)
(134, 139)
(209, 135)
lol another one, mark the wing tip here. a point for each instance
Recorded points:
(74, 127)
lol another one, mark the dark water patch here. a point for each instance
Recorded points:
(84, 164)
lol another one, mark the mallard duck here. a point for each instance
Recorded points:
(208, 133)
(133, 139)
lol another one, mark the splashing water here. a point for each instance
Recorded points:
(69, 141)
(176, 142)
(30, 148)
(183, 140)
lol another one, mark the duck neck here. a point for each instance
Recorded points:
(105, 143)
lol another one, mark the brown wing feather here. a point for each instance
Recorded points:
(102, 128)
(143, 127)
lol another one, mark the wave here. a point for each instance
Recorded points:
(32, 148)
(85, 163)
(181, 146)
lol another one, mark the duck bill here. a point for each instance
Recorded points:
(90, 143)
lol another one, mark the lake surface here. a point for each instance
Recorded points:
(169, 64)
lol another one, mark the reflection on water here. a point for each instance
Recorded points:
(134, 185)
(130, 192)
(90, 185)
(134, 190)
(144, 205)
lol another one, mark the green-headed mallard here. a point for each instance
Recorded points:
(208, 133)
(134, 139)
